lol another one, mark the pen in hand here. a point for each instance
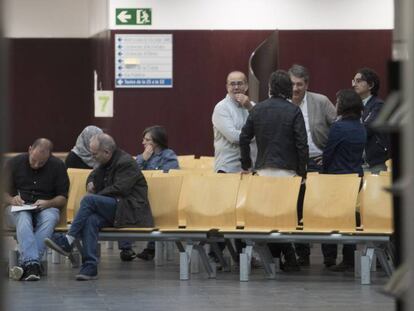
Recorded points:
(17, 200)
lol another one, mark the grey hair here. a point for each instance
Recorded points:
(299, 71)
(106, 142)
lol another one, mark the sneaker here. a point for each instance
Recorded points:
(31, 272)
(87, 273)
(342, 267)
(127, 255)
(329, 262)
(16, 273)
(59, 243)
(303, 261)
(147, 254)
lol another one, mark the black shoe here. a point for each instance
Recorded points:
(127, 255)
(147, 254)
(329, 262)
(304, 261)
(342, 267)
(289, 267)
(60, 243)
(31, 272)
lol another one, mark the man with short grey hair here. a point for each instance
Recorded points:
(319, 113)
(117, 197)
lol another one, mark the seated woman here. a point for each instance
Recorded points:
(343, 155)
(156, 156)
(80, 155)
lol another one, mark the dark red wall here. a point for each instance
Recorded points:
(201, 62)
(50, 89)
(43, 69)
(333, 56)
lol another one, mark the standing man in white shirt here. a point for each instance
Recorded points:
(319, 113)
(229, 116)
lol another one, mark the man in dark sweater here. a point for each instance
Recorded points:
(38, 189)
(117, 197)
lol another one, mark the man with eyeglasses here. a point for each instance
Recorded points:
(366, 83)
(319, 113)
(229, 116)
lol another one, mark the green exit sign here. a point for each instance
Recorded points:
(138, 16)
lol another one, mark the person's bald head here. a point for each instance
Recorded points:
(102, 147)
(39, 152)
(236, 83)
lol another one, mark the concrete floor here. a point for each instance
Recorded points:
(139, 285)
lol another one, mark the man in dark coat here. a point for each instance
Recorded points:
(117, 197)
(366, 83)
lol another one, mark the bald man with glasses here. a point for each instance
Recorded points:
(229, 116)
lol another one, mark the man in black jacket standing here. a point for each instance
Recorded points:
(117, 197)
(282, 145)
(280, 133)
(366, 83)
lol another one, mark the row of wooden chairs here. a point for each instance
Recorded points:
(232, 202)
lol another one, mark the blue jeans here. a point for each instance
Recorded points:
(32, 228)
(95, 212)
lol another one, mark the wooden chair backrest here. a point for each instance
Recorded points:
(270, 203)
(330, 203)
(209, 202)
(163, 195)
(206, 163)
(186, 162)
(77, 190)
(376, 204)
(149, 173)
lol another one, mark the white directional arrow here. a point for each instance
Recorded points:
(124, 17)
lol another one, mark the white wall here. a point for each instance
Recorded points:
(46, 18)
(83, 18)
(262, 14)
(98, 16)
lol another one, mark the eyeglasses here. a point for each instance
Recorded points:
(236, 83)
(356, 81)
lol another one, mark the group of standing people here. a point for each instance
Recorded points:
(297, 131)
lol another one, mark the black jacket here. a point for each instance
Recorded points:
(281, 138)
(377, 146)
(121, 178)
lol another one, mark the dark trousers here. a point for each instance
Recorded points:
(303, 249)
(348, 250)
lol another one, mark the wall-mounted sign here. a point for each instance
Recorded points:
(104, 104)
(143, 61)
(142, 16)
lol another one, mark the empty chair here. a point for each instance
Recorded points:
(163, 195)
(209, 202)
(330, 203)
(376, 205)
(268, 203)
(77, 190)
